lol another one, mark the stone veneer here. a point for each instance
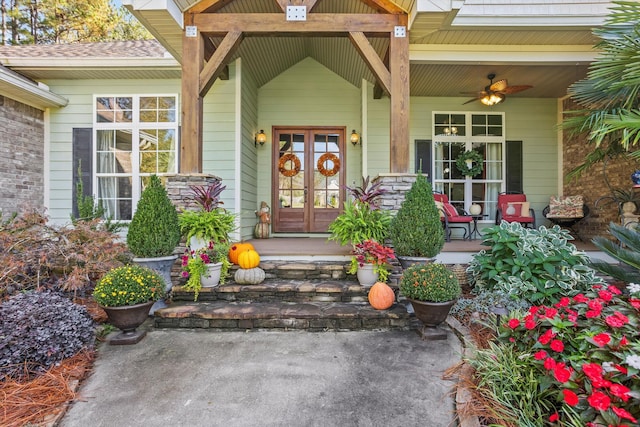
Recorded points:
(395, 186)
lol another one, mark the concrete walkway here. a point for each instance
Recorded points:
(204, 378)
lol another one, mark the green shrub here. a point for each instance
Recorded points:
(416, 230)
(154, 230)
(536, 265)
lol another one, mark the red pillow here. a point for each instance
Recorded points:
(450, 209)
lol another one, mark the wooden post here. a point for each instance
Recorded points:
(192, 114)
(399, 68)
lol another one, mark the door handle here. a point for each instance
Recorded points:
(305, 194)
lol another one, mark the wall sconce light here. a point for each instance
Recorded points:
(355, 138)
(260, 138)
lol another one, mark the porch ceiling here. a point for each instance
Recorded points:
(267, 57)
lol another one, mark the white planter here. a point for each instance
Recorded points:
(212, 278)
(366, 275)
(196, 243)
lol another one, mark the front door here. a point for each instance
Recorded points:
(308, 178)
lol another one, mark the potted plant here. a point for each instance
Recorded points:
(209, 222)
(126, 294)
(205, 267)
(154, 232)
(369, 262)
(361, 219)
(432, 289)
(626, 200)
(416, 230)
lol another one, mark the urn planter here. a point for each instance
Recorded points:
(367, 275)
(408, 261)
(162, 265)
(432, 314)
(128, 318)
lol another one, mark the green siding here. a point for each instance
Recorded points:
(307, 94)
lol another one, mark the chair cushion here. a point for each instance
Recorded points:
(506, 198)
(519, 209)
(566, 207)
(460, 219)
(450, 210)
(440, 207)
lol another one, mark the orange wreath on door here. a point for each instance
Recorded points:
(289, 157)
(332, 158)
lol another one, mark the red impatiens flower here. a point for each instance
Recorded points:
(605, 295)
(623, 414)
(514, 323)
(554, 417)
(624, 341)
(614, 290)
(529, 322)
(580, 298)
(550, 313)
(557, 345)
(549, 363)
(546, 337)
(540, 355)
(570, 398)
(620, 391)
(621, 368)
(564, 302)
(561, 373)
(617, 320)
(592, 370)
(599, 401)
(635, 303)
(602, 339)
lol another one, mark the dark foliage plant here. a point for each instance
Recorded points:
(207, 197)
(40, 329)
(154, 230)
(367, 192)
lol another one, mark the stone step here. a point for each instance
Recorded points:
(278, 290)
(311, 316)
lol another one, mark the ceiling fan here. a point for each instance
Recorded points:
(495, 93)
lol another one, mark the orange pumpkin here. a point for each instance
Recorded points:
(381, 296)
(236, 249)
(248, 259)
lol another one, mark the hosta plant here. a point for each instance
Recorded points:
(536, 265)
(586, 351)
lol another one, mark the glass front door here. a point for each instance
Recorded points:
(308, 182)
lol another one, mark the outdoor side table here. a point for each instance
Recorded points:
(475, 233)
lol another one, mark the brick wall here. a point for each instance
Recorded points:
(591, 185)
(21, 157)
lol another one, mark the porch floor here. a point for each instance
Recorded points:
(313, 247)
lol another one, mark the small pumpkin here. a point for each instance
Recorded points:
(381, 296)
(251, 276)
(248, 259)
(236, 249)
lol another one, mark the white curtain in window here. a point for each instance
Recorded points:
(106, 164)
(494, 172)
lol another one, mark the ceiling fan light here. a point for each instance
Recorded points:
(492, 99)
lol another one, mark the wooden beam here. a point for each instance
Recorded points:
(208, 6)
(284, 3)
(378, 91)
(191, 135)
(316, 23)
(385, 6)
(370, 56)
(399, 67)
(218, 60)
(209, 49)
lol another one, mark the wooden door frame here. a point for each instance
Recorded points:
(308, 166)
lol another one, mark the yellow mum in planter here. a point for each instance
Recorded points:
(128, 285)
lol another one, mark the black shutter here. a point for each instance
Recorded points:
(514, 167)
(82, 156)
(423, 157)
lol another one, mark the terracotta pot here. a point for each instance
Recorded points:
(128, 318)
(431, 314)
